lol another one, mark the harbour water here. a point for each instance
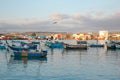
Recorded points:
(60, 64)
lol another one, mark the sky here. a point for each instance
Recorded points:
(59, 15)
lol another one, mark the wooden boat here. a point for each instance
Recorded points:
(69, 46)
(29, 54)
(79, 45)
(55, 44)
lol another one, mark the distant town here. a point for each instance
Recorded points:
(101, 35)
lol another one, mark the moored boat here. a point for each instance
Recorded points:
(69, 46)
(96, 45)
(2, 46)
(117, 46)
(29, 53)
(82, 42)
(35, 42)
(55, 44)
(19, 48)
(30, 45)
(16, 48)
(79, 45)
(113, 45)
(30, 58)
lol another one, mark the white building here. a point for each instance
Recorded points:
(103, 34)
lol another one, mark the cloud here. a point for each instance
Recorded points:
(58, 17)
(92, 21)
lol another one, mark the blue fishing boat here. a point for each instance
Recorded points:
(55, 44)
(30, 45)
(19, 48)
(2, 46)
(82, 42)
(35, 42)
(30, 58)
(16, 41)
(96, 45)
(16, 48)
(29, 53)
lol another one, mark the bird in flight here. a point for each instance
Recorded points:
(54, 22)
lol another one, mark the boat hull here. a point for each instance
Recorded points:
(30, 58)
(117, 46)
(21, 48)
(29, 54)
(97, 45)
(2, 47)
(76, 47)
(54, 45)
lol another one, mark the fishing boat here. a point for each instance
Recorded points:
(30, 58)
(79, 45)
(19, 48)
(69, 46)
(16, 41)
(96, 45)
(2, 46)
(117, 45)
(34, 42)
(111, 45)
(30, 45)
(81, 42)
(16, 48)
(24, 53)
(54, 44)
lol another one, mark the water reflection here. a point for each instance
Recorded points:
(68, 51)
(25, 65)
(62, 64)
(26, 60)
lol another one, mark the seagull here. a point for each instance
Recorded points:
(54, 22)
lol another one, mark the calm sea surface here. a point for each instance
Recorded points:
(60, 64)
